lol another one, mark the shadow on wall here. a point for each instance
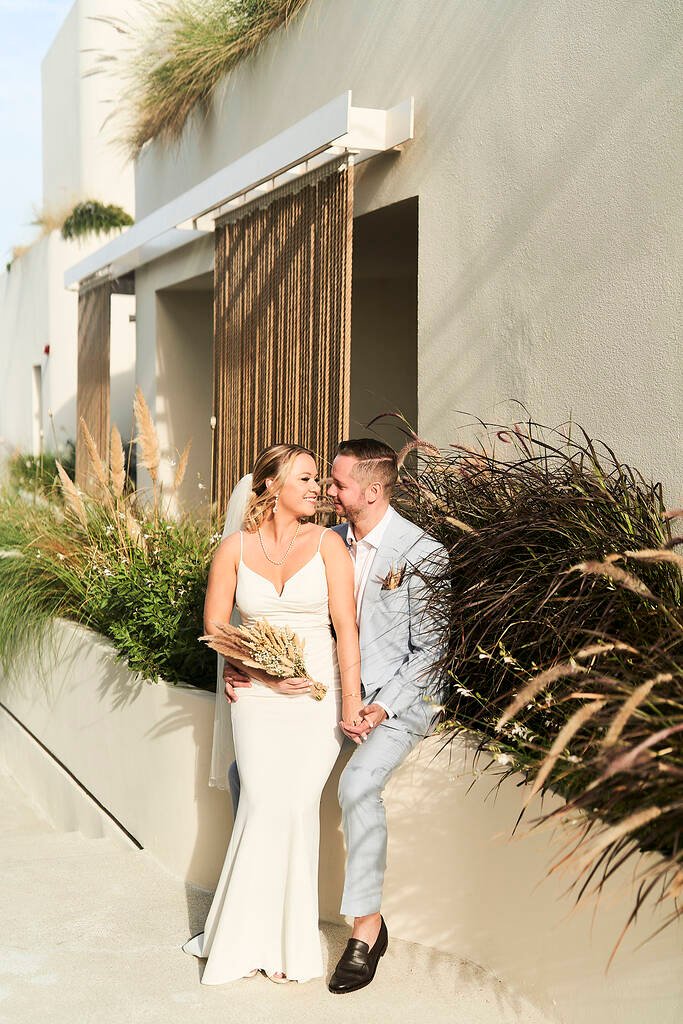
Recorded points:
(65, 415)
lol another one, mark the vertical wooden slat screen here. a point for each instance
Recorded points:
(282, 323)
(92, 395)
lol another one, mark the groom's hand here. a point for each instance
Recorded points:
(372, 715)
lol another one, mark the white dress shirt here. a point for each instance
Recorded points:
(363, 554)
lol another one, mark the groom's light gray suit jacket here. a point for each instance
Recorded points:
(400, 637)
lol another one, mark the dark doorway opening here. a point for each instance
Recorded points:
(384, 320)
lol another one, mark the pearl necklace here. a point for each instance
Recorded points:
(282, 561)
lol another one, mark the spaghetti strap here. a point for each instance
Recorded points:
(325, 529)
(241, 545)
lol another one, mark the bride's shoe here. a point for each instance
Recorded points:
(279, 979)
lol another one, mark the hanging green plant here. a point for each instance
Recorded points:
(93, 217)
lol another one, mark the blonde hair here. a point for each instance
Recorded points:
(273, 463)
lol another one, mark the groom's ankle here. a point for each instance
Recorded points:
(367, 927)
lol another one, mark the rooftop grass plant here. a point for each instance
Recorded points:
(178, 54)
(564, 638)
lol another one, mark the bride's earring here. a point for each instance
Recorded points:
(277, 498)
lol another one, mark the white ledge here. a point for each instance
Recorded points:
(328, 132)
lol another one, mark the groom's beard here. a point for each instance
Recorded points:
(352, 515)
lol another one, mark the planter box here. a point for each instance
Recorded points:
(455, 879)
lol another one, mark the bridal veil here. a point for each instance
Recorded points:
(222, 751)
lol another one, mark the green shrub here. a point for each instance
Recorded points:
(37, 473)
(112, 562)
(94, 218)
(144, 590)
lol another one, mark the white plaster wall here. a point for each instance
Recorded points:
(546, 167)
(81, 159)
(61, 123)
(24, 330)
(35, 310)
(455, 880)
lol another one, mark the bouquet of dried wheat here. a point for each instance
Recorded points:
(278, 652)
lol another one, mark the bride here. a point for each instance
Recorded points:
(264, 913)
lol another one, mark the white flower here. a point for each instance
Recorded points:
(519, 730)
(464, 691)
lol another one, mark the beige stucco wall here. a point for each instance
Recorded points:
(173, 365)
(455, 879)
(184, 387)
(546, 167)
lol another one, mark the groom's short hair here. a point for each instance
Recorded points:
(376, 462)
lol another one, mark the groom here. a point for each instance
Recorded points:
(399, 645)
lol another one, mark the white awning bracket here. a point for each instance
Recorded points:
(327, 133)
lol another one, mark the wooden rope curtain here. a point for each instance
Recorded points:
(92, 393)
(93, 369)
(282, 324)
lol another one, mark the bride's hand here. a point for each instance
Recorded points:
(352, 724)
(293, 687)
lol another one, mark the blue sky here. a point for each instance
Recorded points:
(27, 27)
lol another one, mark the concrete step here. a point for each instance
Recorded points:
(92, 933)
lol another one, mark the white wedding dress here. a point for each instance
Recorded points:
(264, 912)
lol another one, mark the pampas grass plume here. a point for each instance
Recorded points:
(117, 463)
(147, 435)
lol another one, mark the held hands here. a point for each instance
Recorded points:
(359, 720)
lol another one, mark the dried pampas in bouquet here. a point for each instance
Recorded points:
(279, 652)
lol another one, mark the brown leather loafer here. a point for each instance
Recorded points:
(358, 963)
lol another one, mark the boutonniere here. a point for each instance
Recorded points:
(394, 578)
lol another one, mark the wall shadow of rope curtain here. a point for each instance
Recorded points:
(282, 324)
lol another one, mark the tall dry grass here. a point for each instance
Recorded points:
(564, 649)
